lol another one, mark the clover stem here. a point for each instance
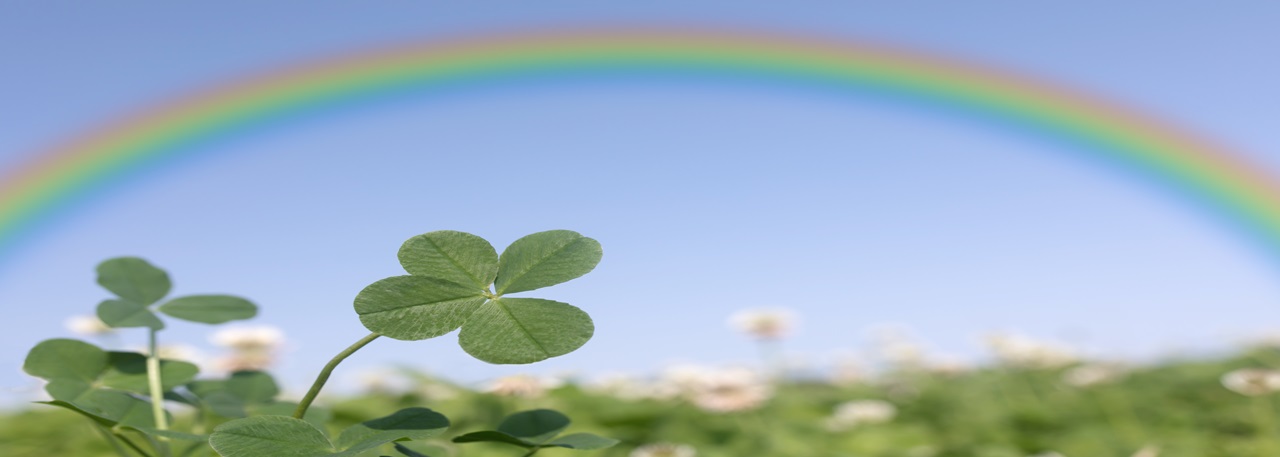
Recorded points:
(115, 443)
(157, 389)
(531, 452)
(326, 371)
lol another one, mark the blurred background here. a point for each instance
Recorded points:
(888, 236)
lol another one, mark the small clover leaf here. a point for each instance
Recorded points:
(134, 279)
(524, 330)
(75, 368)
(452, 256)
(209, 309)
(124, 314)
(546, 259)
(111, 408)
(281, 436)
(537, 429)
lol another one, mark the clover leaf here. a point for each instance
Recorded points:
(449, 287)
(139, 285)
(537, 429)
(282, 436)
(75, 369)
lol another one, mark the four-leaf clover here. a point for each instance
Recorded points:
(457, 280)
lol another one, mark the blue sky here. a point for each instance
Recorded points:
(708, 198)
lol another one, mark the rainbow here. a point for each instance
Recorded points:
(1202, 173)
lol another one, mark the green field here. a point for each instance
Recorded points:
(1180, 407)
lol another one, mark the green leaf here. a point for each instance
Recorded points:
(546, 259)
(490, 436)
(524, 330)
(582, 441)
(134, 279)
(535, 426)
(274, 436)
(210, 309)
(252, 386)
(175, 435)
(452, 256)
(70, 366)
(315, 415)
(63, 358)
(408, 423)
(415, 307)
(408, 452)
(125, 314)
(118, 407)
(128, 371)
(282, 436)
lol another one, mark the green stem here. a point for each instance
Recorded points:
(531, 452)
(157, 390)
(326, 371)
(115, 443)
(1264, 415)
(133, 446)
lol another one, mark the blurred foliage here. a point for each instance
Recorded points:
(1181, 407)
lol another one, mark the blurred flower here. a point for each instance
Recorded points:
(948, 367)
(626, 387)
(1093, 374)
(382, 382)
(88, 326)
(848, 370)
(664, 450)
(1252, 381)
(728, 390)
(898, 348)
(860, 412)
(522, 385)
(1149, 450)
(1027, 353)
(252, 348)
(764, 324)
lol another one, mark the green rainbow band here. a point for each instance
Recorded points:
(1199, 170)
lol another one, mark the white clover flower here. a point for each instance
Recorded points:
(855, 413)
(848, 371)
(625, 387)
(664, 450)
(1027, 353)
(88, 326)
(522, 385)
(381, 381)
(1092, 374)
(1149, 450)
(252, 348)
(729, 390)
(1252, 381)
(248, 338)
(764, 324)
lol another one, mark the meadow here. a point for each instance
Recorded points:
(1034, 399)
(1030, 399)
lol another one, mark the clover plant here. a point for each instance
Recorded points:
(455, 281)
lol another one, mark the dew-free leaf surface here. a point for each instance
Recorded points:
(524, 330)
(452, 256)
(546, 259)
(209, 309)
(126, 314)
(134, 279)
(415, 307)
(283, 436)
